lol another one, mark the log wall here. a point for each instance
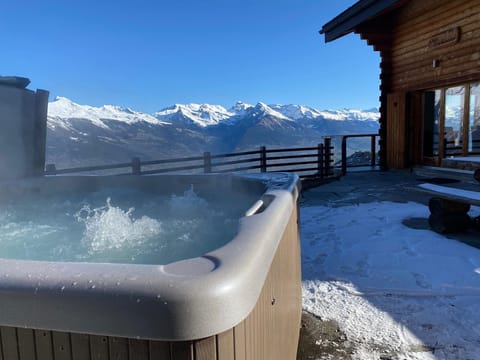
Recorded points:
(423, 44)
(444, 31)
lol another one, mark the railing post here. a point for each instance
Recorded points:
(327, 146)
(207, 162)
(372, 151)
(445, 144)
(344, 155)
(263, 159)
(320, 162)
(50, 169)
(136, 166)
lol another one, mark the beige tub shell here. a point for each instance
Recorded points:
(241, 301)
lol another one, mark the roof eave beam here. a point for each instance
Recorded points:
(336, 29)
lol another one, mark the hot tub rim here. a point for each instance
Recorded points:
(224, 303)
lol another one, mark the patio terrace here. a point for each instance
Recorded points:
(377, 282)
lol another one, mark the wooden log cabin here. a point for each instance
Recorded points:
(430, 76)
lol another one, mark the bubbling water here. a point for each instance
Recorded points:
(109, 227)
(104, 227)
(189, 204)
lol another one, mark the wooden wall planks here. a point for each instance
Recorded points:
(415, 29)
(412, 53)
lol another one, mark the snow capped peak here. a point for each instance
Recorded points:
(240, 107)
(63, 108)
(62, 99)
(350, 114)
(264, 109)
(297, 111)
(114, 108)
(200, 114)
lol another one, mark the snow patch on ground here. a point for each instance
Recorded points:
(396, 291)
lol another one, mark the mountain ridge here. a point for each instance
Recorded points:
(81, 135)
(200, 114)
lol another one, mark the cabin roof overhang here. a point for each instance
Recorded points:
(357, 14)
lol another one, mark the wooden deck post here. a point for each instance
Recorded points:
(207, 162)
(263, 159)
(327, 146)
(344, 155)
(372, 151)
(136, 166)
(320, 162)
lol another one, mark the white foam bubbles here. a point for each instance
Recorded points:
(109, 227)
(187, 205)
(103, 226)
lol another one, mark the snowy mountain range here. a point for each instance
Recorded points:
(80, 135)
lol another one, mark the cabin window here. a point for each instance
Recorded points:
(451, 121)
(453, 130)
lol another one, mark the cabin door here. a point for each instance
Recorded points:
(433, 126)
(447, 128)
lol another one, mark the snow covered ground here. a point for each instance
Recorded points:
(395, 288)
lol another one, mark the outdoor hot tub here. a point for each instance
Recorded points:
(86, 271)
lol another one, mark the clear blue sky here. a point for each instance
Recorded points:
(148, 54)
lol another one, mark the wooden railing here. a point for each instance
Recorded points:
(346, 160)
(314, 161)
(373, 153)
(450, 149)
